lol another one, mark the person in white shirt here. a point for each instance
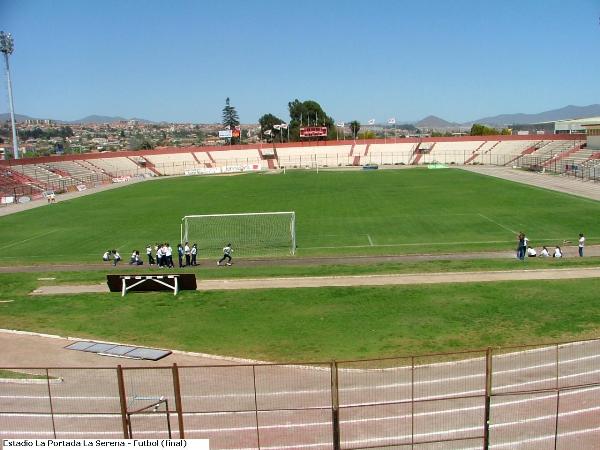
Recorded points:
(106, 256)
(149, 254)
(526, 244)
(227, 251)
(116, 257)
(544, 252)
(531, 253)
(194, 253)
(188, 254)
(160, 260)
(557, 252)
(135, 258)
(581, 244)
(169, 254)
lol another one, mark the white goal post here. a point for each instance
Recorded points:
(251, 234)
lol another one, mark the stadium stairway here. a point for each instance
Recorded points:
(527, 151)
(416, 155)
(197, 160)
(150, 166)
(578, 146)
(475, 153)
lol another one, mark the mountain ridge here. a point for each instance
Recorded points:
(431, 121)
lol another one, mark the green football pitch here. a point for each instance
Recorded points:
(337, 213)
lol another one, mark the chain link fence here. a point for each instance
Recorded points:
(533, 397)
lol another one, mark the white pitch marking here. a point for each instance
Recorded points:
(499, 224)
(29, 239)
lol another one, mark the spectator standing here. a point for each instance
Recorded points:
(194, 253)
(187, 252)
(581, 244)
(149, 255)
(116, 257)
(521, 246)
(180, 253)
(160, 257)
(169, 254)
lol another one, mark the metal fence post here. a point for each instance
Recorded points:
(123, 401)
(488, 393)
(256, 407)
(178, 407)
(412, 402)
(335, 405)
(556, 419)
(51, 406)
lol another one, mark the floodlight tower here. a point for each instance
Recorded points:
(7, 45)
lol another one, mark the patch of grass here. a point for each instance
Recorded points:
(323, 323)
(337, 213)
(15, 375)
(26, 282)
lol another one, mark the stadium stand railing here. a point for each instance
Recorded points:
(538, 396)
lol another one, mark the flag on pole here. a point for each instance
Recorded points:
(392, 121)
(340, 124)
(277, 127)
(268, 132)
(371, 122)
(284, 126)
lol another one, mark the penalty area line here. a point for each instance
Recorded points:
(494, 222)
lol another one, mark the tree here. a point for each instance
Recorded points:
(481, 130)
(266, 123)
(308, 113)
(354, 128)
(199, 137)
(230, 117)
(140, 142)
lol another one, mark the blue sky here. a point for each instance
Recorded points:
(178, 60)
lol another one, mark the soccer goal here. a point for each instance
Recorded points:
(251, 234)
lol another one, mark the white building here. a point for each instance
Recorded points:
(571, 126)
(593, 135)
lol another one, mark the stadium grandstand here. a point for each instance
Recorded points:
(564, 153)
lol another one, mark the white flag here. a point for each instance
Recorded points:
(277, 127)
(371, 122)
(340, 124)
(392, 121)
(284, 126)
(268, 132)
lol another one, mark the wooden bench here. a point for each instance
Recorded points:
(137, 283)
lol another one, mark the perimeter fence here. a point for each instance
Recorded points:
(533, 397)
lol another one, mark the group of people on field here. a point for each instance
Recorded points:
(161, 255)
(524, 249)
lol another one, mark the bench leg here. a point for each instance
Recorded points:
(123, 288)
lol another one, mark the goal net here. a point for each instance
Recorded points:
(251, 234)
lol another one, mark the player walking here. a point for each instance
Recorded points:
(227, 251)
(581, 244)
